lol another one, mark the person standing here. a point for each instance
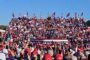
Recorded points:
(2, 55)
(59, 56)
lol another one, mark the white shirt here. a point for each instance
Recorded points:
(2, 56)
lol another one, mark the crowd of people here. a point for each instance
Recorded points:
(16, 43)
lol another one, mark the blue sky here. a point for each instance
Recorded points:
(42, 7)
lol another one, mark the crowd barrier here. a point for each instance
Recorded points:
(50, 40)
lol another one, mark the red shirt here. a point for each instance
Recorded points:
(58, 57)
(11, 52)
(35, 52)
(81, 49)
(28, 50)
(1, 47)
(47, 57)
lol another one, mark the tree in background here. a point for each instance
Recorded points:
(88, 23)
(3, 27)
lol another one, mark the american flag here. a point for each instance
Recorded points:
(68, 14)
